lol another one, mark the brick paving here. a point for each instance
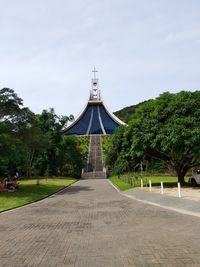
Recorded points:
(186, 206)
(91, 225)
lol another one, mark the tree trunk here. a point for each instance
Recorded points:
(181, 176)
(27, 164)
(29, 160)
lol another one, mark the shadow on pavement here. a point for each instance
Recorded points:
(75, 189)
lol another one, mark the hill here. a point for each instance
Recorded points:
(126, 113)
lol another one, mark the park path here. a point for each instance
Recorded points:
(90, 224)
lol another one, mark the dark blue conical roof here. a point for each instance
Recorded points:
(95, 118)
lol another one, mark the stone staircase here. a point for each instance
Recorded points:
(95, 167)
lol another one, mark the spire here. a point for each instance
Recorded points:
(95, 92)
(95, 71)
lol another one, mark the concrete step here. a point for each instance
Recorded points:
(94, 175)
(94, 166)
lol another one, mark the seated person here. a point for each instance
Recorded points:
(5, 181)
(1, 187)
(8, 184)
(15, 183)
(16, 176)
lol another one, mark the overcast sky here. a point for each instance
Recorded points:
(141, 48)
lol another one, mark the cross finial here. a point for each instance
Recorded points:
(95, 72)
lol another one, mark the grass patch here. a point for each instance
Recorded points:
(29, 191)
(123, 182)
(167, 180)
(120, 184)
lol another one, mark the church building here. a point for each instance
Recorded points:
(95, 119)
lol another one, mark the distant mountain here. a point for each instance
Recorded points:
(126, 113)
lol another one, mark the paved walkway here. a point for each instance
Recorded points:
(187, 193)
(91, 225)
(185, 206)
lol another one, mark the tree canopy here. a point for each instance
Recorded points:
(34, 144)
(167, 129)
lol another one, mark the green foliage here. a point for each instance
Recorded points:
(114, 146)
(14, 120)
(34, 144)
(83, 143)
(69, 158)
(114, 160)
(120, 166)
(106, 143)
(117, 155)
(165, 129)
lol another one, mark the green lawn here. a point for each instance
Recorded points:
(123, 184)
(120, 184)
(168, 180)
(29, 191)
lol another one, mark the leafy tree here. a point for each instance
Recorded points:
(10, 105)
(168, 129)
(69, 157)
(34, 144)
(14, 118)
(116, 149)
(51, 125)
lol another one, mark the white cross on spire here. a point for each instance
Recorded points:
(95, 72)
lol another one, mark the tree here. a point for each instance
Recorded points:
(14, 118)
(51, 126)
(168, 129)
(117, 153)
(115, 147)
(35, 144)
(70, 159)
(10, 104)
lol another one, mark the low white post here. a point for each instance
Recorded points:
(161, 188)
(142, 184)
(179, 190)
(150, 185)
